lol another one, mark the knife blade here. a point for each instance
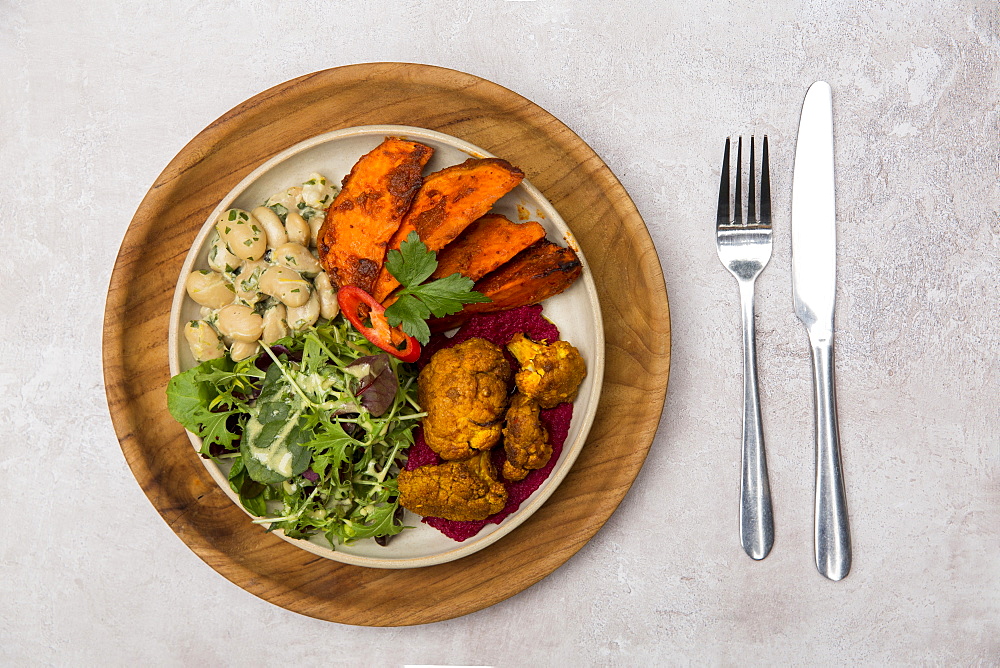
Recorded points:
(814, 290)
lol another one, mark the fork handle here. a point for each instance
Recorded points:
(831, 531)
(756, 518)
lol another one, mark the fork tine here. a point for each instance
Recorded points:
(723, 217)
(751, 204)
(738, 200)
(765, 187)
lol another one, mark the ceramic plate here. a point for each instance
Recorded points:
(576, 312)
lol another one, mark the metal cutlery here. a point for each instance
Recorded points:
(744, 245)
(814, 278)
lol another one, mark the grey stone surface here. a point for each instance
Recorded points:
(99, 95)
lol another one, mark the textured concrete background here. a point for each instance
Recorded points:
(98, 96)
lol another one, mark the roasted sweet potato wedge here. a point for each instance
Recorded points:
(368, 210)
(485, 245)
(538, 272)
(448, 202)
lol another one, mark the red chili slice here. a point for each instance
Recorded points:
(378, 331)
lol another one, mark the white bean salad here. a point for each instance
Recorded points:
(265, 281)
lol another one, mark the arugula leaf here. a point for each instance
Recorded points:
(215, 429)
(411, 265)
(330, 450)
(189, 398)
(222, 373)
(380, 521)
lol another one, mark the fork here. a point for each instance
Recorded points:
(745, 247)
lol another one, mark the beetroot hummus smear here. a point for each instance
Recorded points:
(498, 328)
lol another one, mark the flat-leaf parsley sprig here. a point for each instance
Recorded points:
(417, 301)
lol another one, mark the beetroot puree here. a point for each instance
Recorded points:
(499, 328)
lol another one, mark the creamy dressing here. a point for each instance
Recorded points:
(314, 384)
(316, 193)
(276, 457)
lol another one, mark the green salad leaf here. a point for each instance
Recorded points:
(303, 452)
(251, 492)
(204, 398)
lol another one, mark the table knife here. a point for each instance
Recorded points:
(814, 289)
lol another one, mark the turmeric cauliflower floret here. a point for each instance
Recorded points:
(550, 373)
(525, 439)
(463, 490)
(464, 391)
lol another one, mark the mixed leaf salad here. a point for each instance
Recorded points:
(315, 428)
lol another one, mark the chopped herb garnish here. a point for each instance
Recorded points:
(280, 210)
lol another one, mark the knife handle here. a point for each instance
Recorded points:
(756, 518)
(832, 533)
